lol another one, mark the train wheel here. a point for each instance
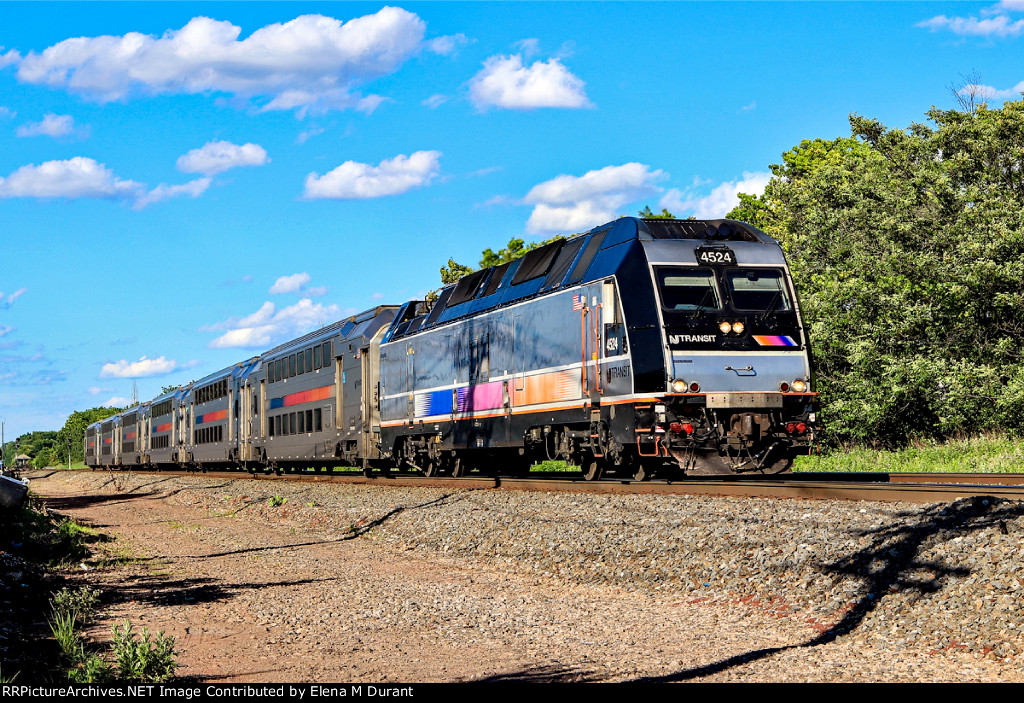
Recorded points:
(431, 467)
(593, 468)
(458, 467)
(642, 471)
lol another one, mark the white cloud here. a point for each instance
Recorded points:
(78, 177)
(12, 297)
(998, 26)
(316, 291)
(448, 45)
(192, 189)
(576, 203)
(96, 390)
(722, 198)
(308, 133)
(53, 126)
(217, 157)
(290, 284)
(117, 402)
(528, 47)
(5, 329)
(10, 58)
(268, 325)
(138, 369)
(505, 82)
(311, 62)
(357, 181)
(987, 92)
(82, 177)
(435, 101)
(6, 112)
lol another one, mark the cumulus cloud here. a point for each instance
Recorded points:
(53, 125)
(998, 26)
(358, 181)
(290, 284)
(505, 82)
(9, 58)
(116, 402)
(576, 203)
(82, 177)
(722, 198)
(78, 177)
(217, 157)
(312, 62)
(138, 369)
(268, 325)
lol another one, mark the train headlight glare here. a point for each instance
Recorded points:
(799, 386)
(738, 327)
(678, 386)
(725, 327)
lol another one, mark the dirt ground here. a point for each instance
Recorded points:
(250, 601)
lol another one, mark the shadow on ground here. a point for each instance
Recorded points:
(889, 563)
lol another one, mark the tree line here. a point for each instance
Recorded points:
(907, 249)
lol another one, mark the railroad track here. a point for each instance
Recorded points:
(912, 488)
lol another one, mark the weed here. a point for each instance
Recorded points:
(80, 603)
(277, 501)
(93, 669)
(70, 642)
(146, 659)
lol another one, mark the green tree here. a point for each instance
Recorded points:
(74, 431)
(646, 213)
(907, 246)
(453, 272)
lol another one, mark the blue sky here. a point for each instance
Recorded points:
(184, 185)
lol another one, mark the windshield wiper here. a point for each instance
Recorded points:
(771, 306)
(709, 293)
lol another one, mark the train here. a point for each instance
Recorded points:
(641, 348)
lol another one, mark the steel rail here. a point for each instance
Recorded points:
(912, 488)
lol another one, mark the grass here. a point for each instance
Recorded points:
(983, 454)
(991, 453)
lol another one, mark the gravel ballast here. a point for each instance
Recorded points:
(570, 586)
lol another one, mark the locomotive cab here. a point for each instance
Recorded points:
(737, 394)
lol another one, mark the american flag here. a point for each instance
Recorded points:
(578, 301)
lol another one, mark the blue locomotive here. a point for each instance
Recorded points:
(642, 347)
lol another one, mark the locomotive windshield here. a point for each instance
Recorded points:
(698, 289)
(757, 289)
(688, 289)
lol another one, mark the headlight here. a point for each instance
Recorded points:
(725, 327)
(678, 386)
(738, 327)
(799, 386)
